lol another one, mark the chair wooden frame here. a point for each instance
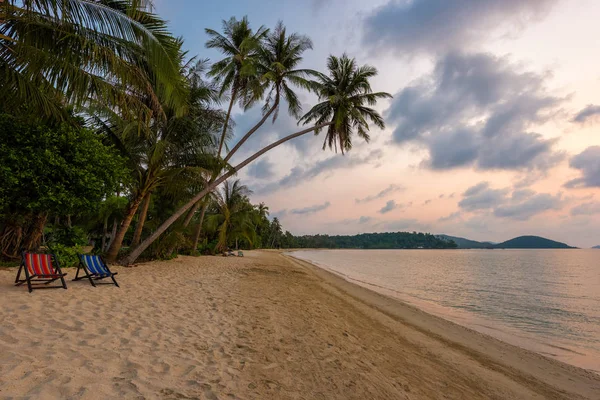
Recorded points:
(95, 277)
(36, 280)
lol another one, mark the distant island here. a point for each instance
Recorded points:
(390, 240)
(596, 247)
(521, 242)
(463, 243)
(414, 240)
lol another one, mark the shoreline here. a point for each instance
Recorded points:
(479, 324)
(490, 351)
(264, 326)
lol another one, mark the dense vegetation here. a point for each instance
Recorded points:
(390, 240)
(114, 137)
(463, 243)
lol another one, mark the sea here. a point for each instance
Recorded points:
(547, 301)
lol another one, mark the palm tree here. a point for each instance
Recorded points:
(233, 220)
(345, 109)
(346, 99)
(55, 53)
(277, 68)
(276, 232)
(236, 73)
(175, 151)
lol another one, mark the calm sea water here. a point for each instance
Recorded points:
(542, 300)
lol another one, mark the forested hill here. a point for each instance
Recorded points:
(522, 242)
(532, 242)
(391, 240)
(596, 247)
(463, 243)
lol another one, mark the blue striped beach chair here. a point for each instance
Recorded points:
(95, 269)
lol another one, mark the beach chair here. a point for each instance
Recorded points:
(95, 270)
(40, 270)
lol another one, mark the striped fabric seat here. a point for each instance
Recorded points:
(39, 271)
(39, 265)
(95, 270)
(95, 265)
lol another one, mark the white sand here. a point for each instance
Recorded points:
(259, 327)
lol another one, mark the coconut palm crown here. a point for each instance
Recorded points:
(54, 53)
(236, 72)
(277, 66)
(346, 102)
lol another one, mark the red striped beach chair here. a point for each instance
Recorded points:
(40, 270)
(95, 269)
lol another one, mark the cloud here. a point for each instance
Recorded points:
(476, 110)
(482, 197)
(300, 175)
(365, 220)
(524, 209)
(452, 217)
(261, 169)
(588, 162)
(389, 206)
(387, 191)
(434, 26)
(521, 205)
(590, 208)
(405, 224)
(279, 214)
(312, 209)
(590, 111)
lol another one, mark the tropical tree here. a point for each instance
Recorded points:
(49, 171)
(55, 53)
(275, 234)
(233, 218)
(277, 69)
(169, 151)
(347, 101)
(236, 73)
(275, 65)
(345, 109)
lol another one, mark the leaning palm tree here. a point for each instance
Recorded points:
(236, 73)
(277, 68)
(170, 151)
(345, 109)
(55, 53)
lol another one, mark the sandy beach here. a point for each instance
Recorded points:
(265, 326)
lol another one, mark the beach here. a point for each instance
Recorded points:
(265, 326)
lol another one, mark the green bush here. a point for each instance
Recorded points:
(70, 237)
(67, 255)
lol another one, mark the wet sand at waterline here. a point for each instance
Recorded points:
(260, 327)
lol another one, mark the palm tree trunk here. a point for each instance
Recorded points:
(251, 131)
(186, 222)
(113, 232)
(199, 228)
(104, 234)
(117, 240)
(226, 124)
(190, 214)
(165, 225)
(32, 242)
(139, 227)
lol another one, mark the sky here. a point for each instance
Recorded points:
(493, 130)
